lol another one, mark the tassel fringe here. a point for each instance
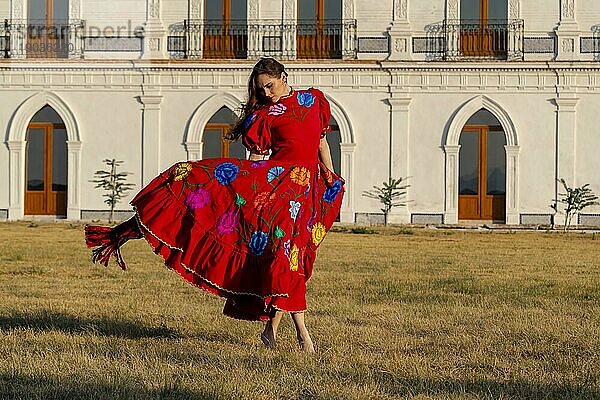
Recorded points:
(107, 241)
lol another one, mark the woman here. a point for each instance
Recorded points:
(246, 230)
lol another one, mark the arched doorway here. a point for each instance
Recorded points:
(482, 169)
(334, 139)
(214, 143)
(46, 164)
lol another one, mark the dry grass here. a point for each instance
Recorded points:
(399, 314)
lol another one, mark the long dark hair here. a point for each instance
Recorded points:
(256, 96)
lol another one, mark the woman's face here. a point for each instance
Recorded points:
(272, 87)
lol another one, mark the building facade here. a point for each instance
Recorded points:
(483, 105)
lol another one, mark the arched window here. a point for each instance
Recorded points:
(46, 168)
(482, 169)
(214, 143)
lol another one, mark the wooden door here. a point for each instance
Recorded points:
(319, 29)
(482, 174)
(483, 28)
(47, 30)
(46, 170)
(225, 29)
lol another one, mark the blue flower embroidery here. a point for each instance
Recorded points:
(305, 99)
(332, 191)
(274, 173)
(249, 120)
(258, 242)
(294, 208)
(226, 173)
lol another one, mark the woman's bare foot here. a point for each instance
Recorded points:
(305, 343)
(268, 337)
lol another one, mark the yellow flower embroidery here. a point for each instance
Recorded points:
(294, 252)
(300, 175)
(181, 171)
(318, 233)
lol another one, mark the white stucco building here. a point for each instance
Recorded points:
(483, 104)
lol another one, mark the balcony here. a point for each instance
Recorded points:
(462, 40)
(198, 39)
(38, 39)
(4, 40)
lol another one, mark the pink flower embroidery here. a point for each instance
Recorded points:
(277, 109)
(227, 222)
(197, 199)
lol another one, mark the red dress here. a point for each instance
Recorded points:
(248, 231)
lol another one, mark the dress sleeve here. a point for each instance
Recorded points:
(324, 111)
(257, 138)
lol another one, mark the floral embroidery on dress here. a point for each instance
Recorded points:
(263, 199)
(226, 172)
(300, 175)
(332, 191)
(258, 164)
(305, 99)
(181, 171)
(294, 208)
(274, 173)
(287, 247)
(227, 222)
(197, 199)
(318, 233)
(277, 109)
(239, 200)
(278, 233)
(248, 121)
(258, 242)
(293, 257)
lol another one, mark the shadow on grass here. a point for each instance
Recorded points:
(483, 388)
(104, 326)
(22, 386)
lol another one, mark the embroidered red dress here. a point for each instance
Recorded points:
(248, 231)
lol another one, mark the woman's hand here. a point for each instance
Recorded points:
(256, 157)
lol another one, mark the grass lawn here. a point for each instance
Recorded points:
(421, 314)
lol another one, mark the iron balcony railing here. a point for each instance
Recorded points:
(40, 39)
(484, 39)
(255, 38)
(4, 39)
(472, 40)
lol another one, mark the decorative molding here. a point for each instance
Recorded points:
(154, 44)
(400, 10)
(75, 9)
(253, 9)
(289, 10)
(452, 9)
(567, 45)
(153, 9)
(195, 9)
(567, 9)
(348, 11)
(514, 9)
(17, 9)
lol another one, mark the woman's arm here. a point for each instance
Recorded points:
(325, 154)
